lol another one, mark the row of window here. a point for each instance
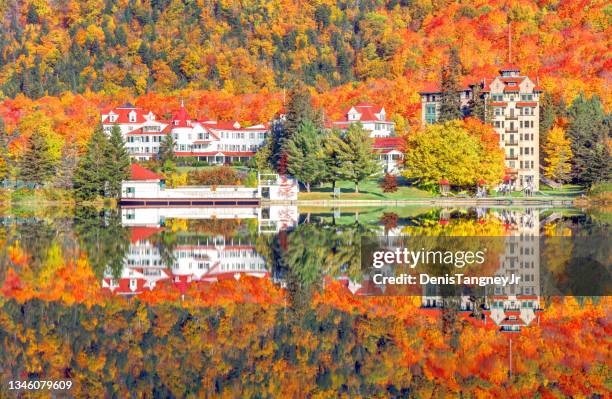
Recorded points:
(522, 124)
(527, 150)
(526, 164)
(523, 97)
(145, 139)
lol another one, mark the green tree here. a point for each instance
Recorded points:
(333, 163)
(588, 133)
(550, 112)
(558, 155)
(358, 160)
(166, 150)
(477, 107)
(91, 176)
(450, 103)
(262, 161)
(305, 154)
(37, 164)
(118, 163)
(449, 151)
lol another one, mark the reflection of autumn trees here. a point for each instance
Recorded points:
(248, 350)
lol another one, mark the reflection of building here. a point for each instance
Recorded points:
(205, 259)
(515, 306)
(200, 260)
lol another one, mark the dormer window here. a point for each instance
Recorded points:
(132, 116)
(176, 123)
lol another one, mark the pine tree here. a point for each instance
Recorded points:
(166, 150)
(587, 130)
(305, 154)
(300, 110)
(477, 107)
(118, 163)
(558, 155)
(550, 112)
(358, 162)
(262, 161)
(333, 164)
(450, 103)
(37, 165)
(91, 176)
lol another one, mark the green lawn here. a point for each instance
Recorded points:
(368, 190)
(567, 190)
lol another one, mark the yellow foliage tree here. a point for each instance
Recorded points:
(558, 155)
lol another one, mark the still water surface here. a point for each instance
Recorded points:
(264, 302)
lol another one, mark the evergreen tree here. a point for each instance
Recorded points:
(118, 163)
(598, 170)
(305, 154)
(300, 110)
(558, 156)
(4, 153)
(263, 157)
(166, 150)
(450, 103)
(550, 112)
(91, 176)
(358, 162)
(477, 107)
(37, 165)
(588, 132)
(333, 163)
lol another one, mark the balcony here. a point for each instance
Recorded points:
(512, 118)
(511, 142)
(512, 157)
(511, 130)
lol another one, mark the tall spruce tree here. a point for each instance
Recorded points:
(333, 163)
(91, 176)
(550, 112)
(118, 163)
(305, 155)
(477, 107)
(588, 132)
(355, 154)
(450, 103)
(37, 165)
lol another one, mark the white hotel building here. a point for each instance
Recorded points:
(216, 142)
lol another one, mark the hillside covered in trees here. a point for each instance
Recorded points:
(138, 46)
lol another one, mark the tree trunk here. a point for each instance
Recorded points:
(307, 187)
(356, 186)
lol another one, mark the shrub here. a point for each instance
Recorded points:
(216, 176)
(389, 183)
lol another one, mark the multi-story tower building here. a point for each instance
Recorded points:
(514, 104)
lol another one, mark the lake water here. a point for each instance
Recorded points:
(275, 301)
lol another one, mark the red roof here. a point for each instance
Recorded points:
(123, 115)
(430, 87)
(181, 118)
(367, 113)
(142, 233)
(526, 104)
(393, 143)
(137, 172)
(498, 104)
(511, 88)
(211, 153)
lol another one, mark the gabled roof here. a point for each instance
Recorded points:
(366, 113)
(181, 118)
(388, 143)
(123, 115)
(141, 233)
(137, 172)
